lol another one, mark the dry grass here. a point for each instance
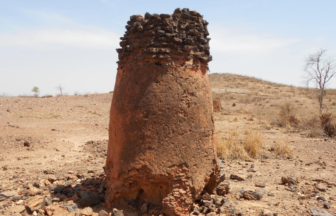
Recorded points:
(288, 116)
(283, 151)
(93, 112)
(313, 126)
(328, 124)
(252, 143)
(36, 115)
(239, 146)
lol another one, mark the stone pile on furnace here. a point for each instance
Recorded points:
(166, 39)
(161, 154)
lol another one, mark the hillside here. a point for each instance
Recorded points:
(62, 141)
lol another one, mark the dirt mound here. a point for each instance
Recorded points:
(98, 148)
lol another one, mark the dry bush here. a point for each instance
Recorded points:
(327, 124)
(47, 96)
(252, 143)
(313, 125)
(282, 150)
(288, 116)
(235, 146)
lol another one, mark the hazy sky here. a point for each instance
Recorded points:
(72, 42)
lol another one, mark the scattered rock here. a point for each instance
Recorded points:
(26, 144)
(318, 212)
(103, 213)
(116, 212)
(7, 194)
(237, 177)
(87, 211)
(288, 180)
(321, 187)
(260, 184)
(49, 171)
(35, 203)
(223, 188)
(34, 191)
(144, 208)
(269, 213)
(326, 205)
(251, 195)
(89, 198)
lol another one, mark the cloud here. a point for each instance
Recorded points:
(40, 38)
(49, 17)
(238, 41)
(66, 33)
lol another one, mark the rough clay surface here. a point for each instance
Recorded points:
(217, 105)
(161, 137)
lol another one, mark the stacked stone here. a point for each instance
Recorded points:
(165, 38)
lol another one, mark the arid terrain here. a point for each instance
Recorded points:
(275, 156)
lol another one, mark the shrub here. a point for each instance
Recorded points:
(282, 150)
(252, 143)
(236, 147)
(327, 124)
(287, 116)
(313, 125)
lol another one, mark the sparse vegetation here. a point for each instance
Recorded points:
(328, 124)
(235, 146)
(36, 90)
(60, 88)
(282, 150)
(319, 69)
(288, 116)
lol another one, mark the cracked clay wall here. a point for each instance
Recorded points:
(161, 137)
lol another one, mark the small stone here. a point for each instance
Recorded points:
(251, 195)
(103, 213)
(116, 212)
(35, 203)
(318, 212)
(321, 187)
(48, 171)
(196, 211)
(288, 180)
(268, 213)
(207, 196)
(237, 177)
(260, 184)
(223, 188)
(7, 194)
(89, 198)
(26, 144)
(20, 202)
(87, 211)
(34, 191)
(326, 205)
(144, 208)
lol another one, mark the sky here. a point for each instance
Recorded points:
(71, 43)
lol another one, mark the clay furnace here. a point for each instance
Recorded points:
(161, 151)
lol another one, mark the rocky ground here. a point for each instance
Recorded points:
(53, 153)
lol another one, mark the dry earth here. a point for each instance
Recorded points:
(53, 152)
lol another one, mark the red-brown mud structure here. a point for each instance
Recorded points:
(161, 153)
(217, 105)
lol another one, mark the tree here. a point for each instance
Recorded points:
(319, 69)
(60, 88)
(36, 90)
